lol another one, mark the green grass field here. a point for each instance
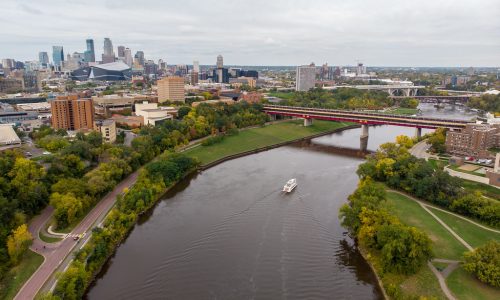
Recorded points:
(457, 168)
(411, 213)
(437, 164)
(282, 95)
(260, 137)
(49, 239)
(464, 286)
(472, 234)
(485, 189)
(423, 283)
(17, 276)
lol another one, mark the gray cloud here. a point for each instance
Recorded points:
(263, 32)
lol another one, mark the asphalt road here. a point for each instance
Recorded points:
(55, 253)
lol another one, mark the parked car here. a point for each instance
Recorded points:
(28, 153)
(46, 153)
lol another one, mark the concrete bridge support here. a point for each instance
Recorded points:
(363, 139)
(418, 132)
(308, 122)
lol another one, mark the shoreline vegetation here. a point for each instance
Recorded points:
(254, 140)
(156, 178)
(378, 203)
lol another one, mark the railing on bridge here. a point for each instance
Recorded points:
(364, 117)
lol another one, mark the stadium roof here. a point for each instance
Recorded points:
(8, 135)
(114, 66)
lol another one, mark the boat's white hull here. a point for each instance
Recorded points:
(288, 189)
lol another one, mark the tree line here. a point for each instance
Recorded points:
(390, 245)
(341, 98)
(490, 103)
(393, 165)
(81, 170)
(152, 182)
(396, 167)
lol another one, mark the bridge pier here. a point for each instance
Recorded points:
(308, 122)
(418, 132)
(363, 139)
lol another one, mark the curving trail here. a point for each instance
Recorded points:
(55, 253)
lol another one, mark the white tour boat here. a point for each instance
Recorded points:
(290, 185)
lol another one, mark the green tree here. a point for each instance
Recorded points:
(29, 189)
(72, 284)
(94, 138)
(484, 263)
(437, 140)
(18, 242)
(67, 208)
(183, 111)
(404, 249)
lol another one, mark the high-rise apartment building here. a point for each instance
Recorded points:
(171, 89)
(127, 54)
(43, 58)
(196, 66)
(8, 63)
(90, 52)
(109, 55)
(473, 140)
(72, 113)
(305, 77)
(57, 55)
(220, 62)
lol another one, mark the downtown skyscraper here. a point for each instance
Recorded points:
(89, 54)
(43, 58)
(57, 56)
(108, 56)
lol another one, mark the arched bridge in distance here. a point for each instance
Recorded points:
(363, 118)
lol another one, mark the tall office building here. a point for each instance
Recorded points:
(220, 62)
(171, 89)
(72, 113)
(90, 52)
(121, 51)
(108, 56)
(306, 77)
(43, 58)
(221, 75)
(139, 55)
(360, 69)
(127, 54)
(57, 55)
(196, 66)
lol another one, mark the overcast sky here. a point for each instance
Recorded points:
(262, 32)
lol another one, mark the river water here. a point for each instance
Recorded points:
(229, 233)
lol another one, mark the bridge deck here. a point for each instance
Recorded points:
(363, 117)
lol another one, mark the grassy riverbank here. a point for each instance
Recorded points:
(411, 213)
(256, 138)
(17, 276)
(462, 284)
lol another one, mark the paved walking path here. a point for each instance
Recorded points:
(442, 281)
(55, 253)
(452, 264)
(424, 206)
(420, 149)
(467, 176)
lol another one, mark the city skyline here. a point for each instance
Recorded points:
(427, 33)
